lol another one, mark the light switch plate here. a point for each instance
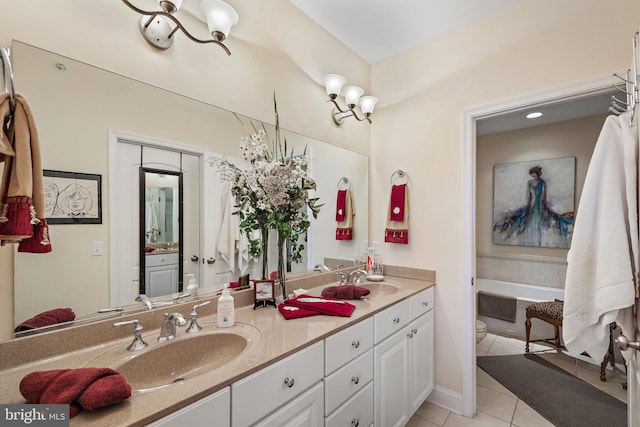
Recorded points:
(96, 249)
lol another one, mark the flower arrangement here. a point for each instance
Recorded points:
(273, 193)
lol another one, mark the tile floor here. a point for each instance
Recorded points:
(497, 406)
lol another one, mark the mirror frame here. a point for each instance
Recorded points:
(142, 227)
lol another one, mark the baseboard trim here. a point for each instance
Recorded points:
(446, 398)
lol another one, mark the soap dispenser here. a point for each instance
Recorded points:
(226, 309)
(192, 286)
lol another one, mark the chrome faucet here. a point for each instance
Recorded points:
(168, 328)
(321, 268)
(149, 303)
(342, 278)
(357, 273)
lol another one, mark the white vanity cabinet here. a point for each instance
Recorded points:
(255, 397)
(211, 410)
(403, 360)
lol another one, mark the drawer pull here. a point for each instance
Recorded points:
(396, 320)
(414, 331)
(410, 334)
(355, 380)
(355, 343)
(425, 303)
(355, 422)
(289, 382)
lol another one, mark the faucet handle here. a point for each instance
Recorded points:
(194, 327)
(138, 343)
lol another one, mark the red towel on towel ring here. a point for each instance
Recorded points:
(47, 318)
(397, 202)
(341, 204)
(82, 388)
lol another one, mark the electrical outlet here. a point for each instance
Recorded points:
(96, 250)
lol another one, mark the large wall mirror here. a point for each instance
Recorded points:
(79, 108)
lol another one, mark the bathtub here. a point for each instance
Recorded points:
(525, 295)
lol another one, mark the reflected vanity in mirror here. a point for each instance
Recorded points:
(77, 108)
(161, 236)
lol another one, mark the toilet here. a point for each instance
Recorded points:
(481, 330)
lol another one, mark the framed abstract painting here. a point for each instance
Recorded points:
(534, 203)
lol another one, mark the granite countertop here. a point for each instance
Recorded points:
(271, 338)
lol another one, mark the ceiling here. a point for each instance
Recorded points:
(379, 29)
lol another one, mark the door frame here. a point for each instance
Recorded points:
(116, 137)
(469, 153)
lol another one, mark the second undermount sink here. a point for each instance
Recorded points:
(165, 363)
(379, 288)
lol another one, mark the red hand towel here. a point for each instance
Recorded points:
(345, 292)
(341, 204)
(329, 306)
(82, 388)
(397, 202)
(291, 312)
(47, 318)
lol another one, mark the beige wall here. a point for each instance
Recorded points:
(529, 48)
(575, 138)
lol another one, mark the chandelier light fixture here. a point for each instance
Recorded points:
(352, 97)
(159, 26)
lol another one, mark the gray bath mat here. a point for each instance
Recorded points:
(497, 306)
(563, 399)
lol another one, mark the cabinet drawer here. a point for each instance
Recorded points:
(161, 259)
(357, 411)
(391, 320)
(261, 393)
(217, 405)
(421, 303)
(343, 383)
(344, 346)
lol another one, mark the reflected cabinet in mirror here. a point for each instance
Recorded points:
(161, 236)
(93, 121)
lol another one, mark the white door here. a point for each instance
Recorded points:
(126, 158)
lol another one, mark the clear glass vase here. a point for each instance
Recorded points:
(281, 266)
(264, 235)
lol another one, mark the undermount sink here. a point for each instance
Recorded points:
(189, 355)
(378, 288)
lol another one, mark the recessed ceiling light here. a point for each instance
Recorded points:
(534, 115)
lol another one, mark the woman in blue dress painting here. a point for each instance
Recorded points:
(532, 220)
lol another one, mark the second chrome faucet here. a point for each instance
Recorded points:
(168, 328)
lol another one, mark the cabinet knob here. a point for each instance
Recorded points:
(425, 303)
(414, 331)
(289, 382)
(355, 343)
(355, 380)
(396, 320)
(410, 334)
(355, 422)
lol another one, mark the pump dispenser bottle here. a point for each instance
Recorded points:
(226, 309)
(192, 286)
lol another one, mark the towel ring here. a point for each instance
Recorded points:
(402, 177)
(344, 181)
(7, 76)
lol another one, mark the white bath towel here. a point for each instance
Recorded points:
(229, 231)
(603, 259)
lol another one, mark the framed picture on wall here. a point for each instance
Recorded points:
(533, 203)
(72, 197)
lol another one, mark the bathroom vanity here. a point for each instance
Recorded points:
(373, 367)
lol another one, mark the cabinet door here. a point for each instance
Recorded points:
(215, 407)
(391, 383)
(307, 410)
(421, 359)
(161, 280)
